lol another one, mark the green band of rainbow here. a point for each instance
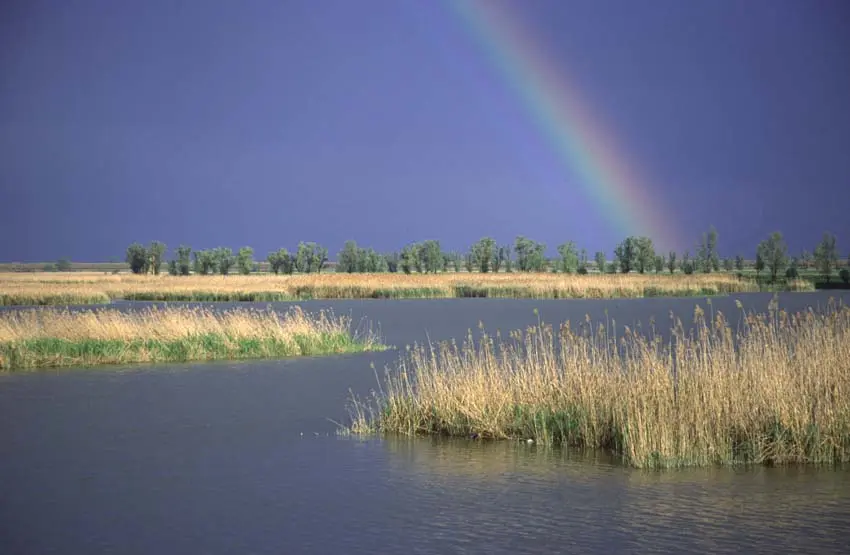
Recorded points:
(566, 121)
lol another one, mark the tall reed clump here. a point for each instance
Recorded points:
(775, 390)
(59, 338)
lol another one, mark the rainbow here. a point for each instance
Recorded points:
(566, 121)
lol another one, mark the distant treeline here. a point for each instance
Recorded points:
(633, 254)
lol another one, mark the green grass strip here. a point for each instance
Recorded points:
(53, 300)
(60, 353)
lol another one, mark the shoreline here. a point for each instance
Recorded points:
(50, 338)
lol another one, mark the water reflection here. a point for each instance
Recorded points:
(539, 498)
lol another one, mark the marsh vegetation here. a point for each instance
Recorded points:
(770, 388)
(58, 338)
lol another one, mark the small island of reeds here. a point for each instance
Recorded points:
(43, 338)
(754, 389)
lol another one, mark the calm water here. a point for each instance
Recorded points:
(210, 458)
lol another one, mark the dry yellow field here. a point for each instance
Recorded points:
(82, 288)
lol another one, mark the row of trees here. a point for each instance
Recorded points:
(772, 255)
(309, 257)
(638, 254)
(633, 254)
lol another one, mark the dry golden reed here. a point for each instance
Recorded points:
(772, 389)
(83, 288)
(50, 337)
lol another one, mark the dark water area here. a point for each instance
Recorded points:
(243, 458)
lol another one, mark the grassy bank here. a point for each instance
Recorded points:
(79, 288)
(53, 338)
(770, 389)
(70, 296)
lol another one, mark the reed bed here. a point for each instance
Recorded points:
(47, 289)
(47, 337)
(772, 389)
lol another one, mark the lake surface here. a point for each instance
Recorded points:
(210, 458)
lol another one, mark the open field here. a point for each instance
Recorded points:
(771, 388)
(55, 338)
(82, 288)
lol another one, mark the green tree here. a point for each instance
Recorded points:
(701, 260)
(600, 262)
(377, 263)
(659, 263)
(707, 256)
(806, 259)
(205, 262)
(362, 260)
(347, 258)
(304, 258)
(506, 255)
(224, 259)
(392, 262)
(671, 261)
(274, 262)
(310, 257)
(529, 255)
(582, 262)
(482, 254)
(320, 258)
(245, 260)
(728, 265)
(173, 268)
(137, 258)
(432, 256)
(626, 254)
(410, 258)
(774, 252)
(826, 256)
(645, 254)
(281, 261)
(759, 263)
(455, 260)
(739, 263)
(844, 274)
(687, 264)
(497, 259)
(63, 265)
(156, 250)
(713, 256)
(184, 260)
(569, 257)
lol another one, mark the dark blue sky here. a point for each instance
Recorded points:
(263, 123)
